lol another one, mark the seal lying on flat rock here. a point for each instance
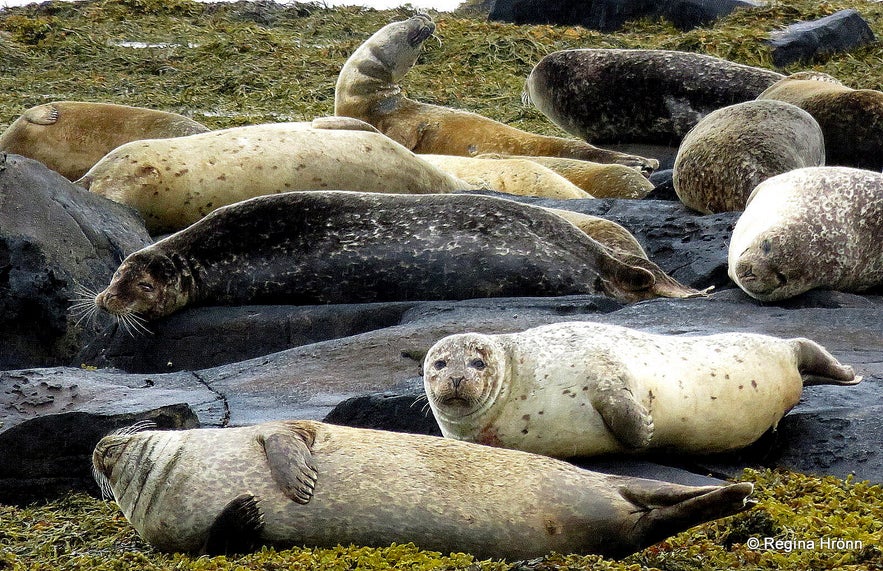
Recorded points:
(175, 182)
(581, 389)
(71, 136)
(600, 180)
(732, 150)
(368, 89)
(810, 228)
(851, 119)
(348, 247)
(320, 485)
(638, 96)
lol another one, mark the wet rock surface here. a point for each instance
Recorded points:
(805, 41)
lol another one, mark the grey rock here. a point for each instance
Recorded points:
(54, 236)
(806, 41)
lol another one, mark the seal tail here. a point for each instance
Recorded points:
(672, 508)
(818, 367)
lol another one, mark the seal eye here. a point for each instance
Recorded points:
(146, 286)
(477, 364)
(766, 246)
(440, 364)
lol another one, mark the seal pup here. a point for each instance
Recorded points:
(601, 180)
(582, 389)
(350, 247)
(851, 119)
(513, 176)
(810, 228)
(638, 96)
(71, 136)
(292, 483)
(175, 182)
(368, 89)
(732, 150)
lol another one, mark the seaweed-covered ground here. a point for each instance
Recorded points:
(819, 523)
(242, 63)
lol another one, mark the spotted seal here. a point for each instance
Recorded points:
(71, 136)
(582, 389)
(732, 150)
(368, 89)
(293, 483)
(810, 228)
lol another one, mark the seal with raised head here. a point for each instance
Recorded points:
(581, 389)
(851, 119)
(305, 483)
(368, 89)
(175, 182)
(71, 136)
(810, 228)
(350, 247)
(638, 96)
(601, 180)
(732, 150)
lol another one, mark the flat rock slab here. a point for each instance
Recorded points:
(805, 41)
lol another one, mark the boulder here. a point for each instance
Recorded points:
(806, 41)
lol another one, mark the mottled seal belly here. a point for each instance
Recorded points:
(348, 247)
(732, 150)
(851, 119)
(582, 389)
(638, 96)
(304, 483)
(175, 182)
(368, 89)
(810, 228)
(71, 136)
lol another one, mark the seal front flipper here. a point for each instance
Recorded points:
(626, 418)
(42, 114)
(290, 458)
(818, 367)
(342, 123)
(237, 528)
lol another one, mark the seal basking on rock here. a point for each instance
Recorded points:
(582, 389)
(307, 483)
(810, 228)
(71, 136)
(368, 89)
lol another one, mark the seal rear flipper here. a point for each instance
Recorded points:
(626, 418)
(42, 114)
(237, 528)
(625, 281)
(818, 367)
(290, 459)
(671, 508)
(664, 285)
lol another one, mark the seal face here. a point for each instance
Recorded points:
(313, 484)
(734, 149)
(71, 136)
(850, 119)
(368, 89)
(348, 247)
(810, 228)
(582, 389)
(638, 96)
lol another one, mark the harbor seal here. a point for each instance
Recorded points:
(175, 182)
(600, 180)
(638, 96)
(71, 136)
(350, 247)
(732, 150)
(851, 119)
(306, 483)
(580, 389)
(512, 176)
(810, 228)
(368, 89)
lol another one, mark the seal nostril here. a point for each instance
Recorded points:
(456, 381)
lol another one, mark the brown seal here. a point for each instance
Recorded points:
(305, 483)
(734, 149)
(71, 136)
(851, 119)
(368, 89)
(350, 247)
(810, 228)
